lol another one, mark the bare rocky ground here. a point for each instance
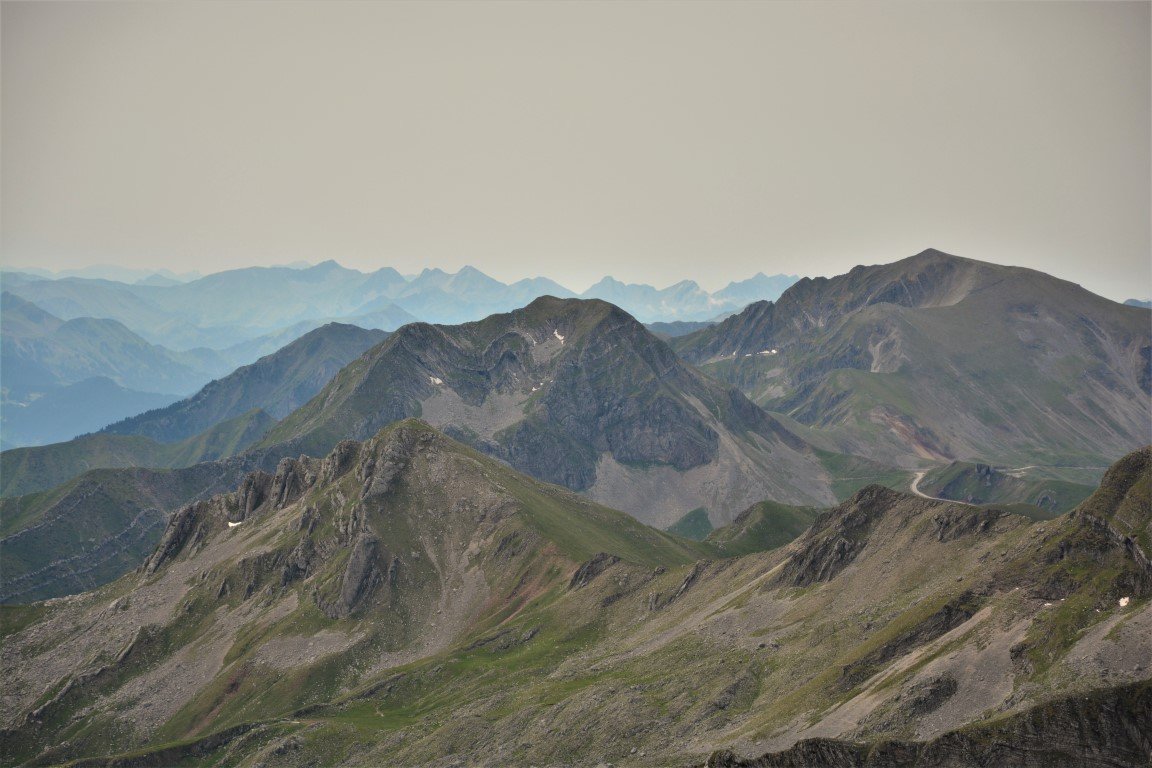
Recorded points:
(411, 602)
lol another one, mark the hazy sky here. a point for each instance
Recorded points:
(652, 141)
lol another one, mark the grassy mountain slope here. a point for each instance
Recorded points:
(96, 527)
(225, 417)
(762, 527)
(572, 392)
(40, 468)
(984, 484)
(943, 358)
(408, 601)
(277, 384)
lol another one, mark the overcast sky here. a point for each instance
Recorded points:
(651, 141)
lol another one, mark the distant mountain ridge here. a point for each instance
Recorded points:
(250, 399)
(41, 351)
(231, 307)
(277, 383)
(941, 357)
(62, 413)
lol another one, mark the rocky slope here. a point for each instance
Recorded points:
(93, 529)
(303, 582)
(410, 601)
(577, 393)
(1104, 729)
(943, 358)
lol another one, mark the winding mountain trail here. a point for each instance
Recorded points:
(915, 487)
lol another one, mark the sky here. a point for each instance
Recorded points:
(651, 141)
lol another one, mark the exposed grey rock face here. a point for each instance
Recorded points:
(591, 569)
(576, 393)
(360, 577)
(379, 469)
(182, 530)
(837, 537)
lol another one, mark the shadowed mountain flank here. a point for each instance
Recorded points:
(572, 392)
(944, 358)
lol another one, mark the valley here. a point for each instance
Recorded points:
(415, 590)
(488, 542)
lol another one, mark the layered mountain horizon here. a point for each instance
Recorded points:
(897, 515)
(327, 292)
(173, 335)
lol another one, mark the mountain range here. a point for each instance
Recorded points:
(574, 392)
(42, 352)
(407, 600)
(941, 358)
(229, 308)
(225, 417)
(898, 517)
(579, 393)
(167, 335)
(570, 391)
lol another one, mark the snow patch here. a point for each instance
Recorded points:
(1124, 602)
(232, 524)
(768, 352)
(437, 381)
(557, 335)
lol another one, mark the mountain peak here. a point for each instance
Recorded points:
(935, 253)
(571, 391)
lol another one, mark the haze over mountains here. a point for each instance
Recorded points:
(227, 308)
(225, 417)
(454, 541)
(168, 336)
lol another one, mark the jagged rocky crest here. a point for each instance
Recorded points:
(376, 467)
(448, 606)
